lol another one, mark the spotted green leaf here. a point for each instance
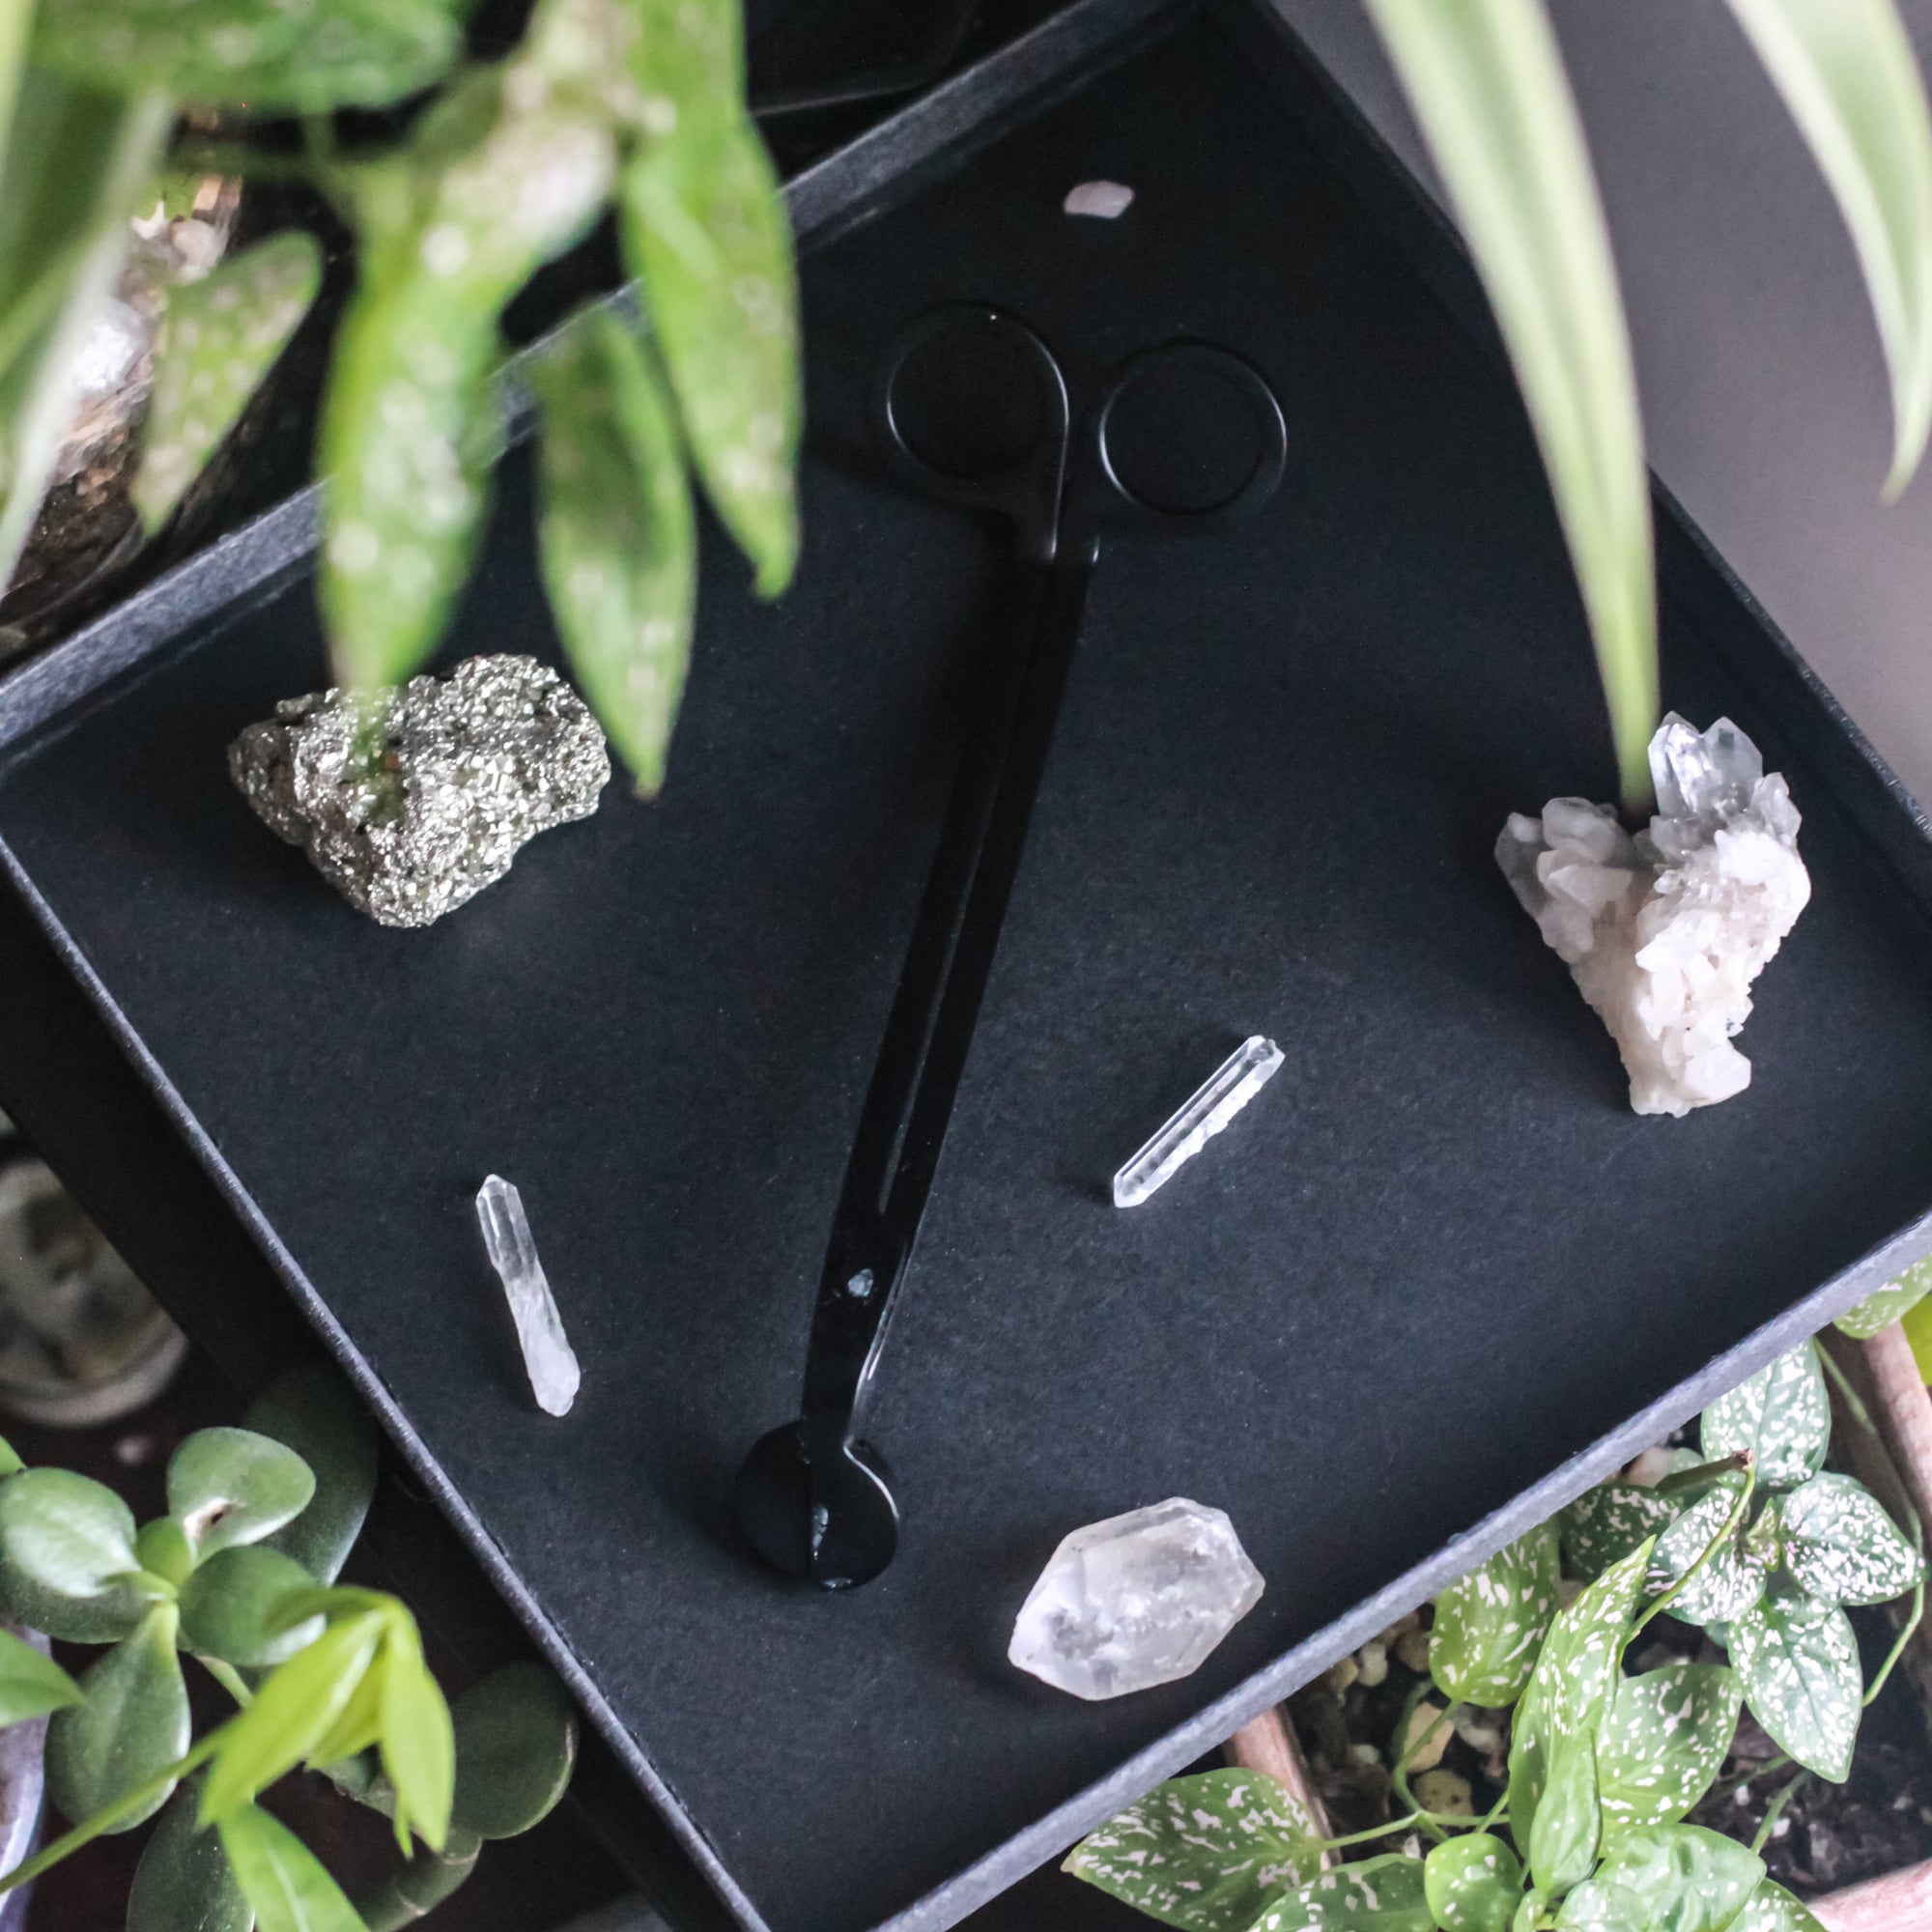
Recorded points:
(65, 1532)
(1204, 1853)
(1841, 1545)
(704, 225)
(315, 1412)
(1472, 1884)
(1783, 1415)
(1569, 1822)
(1690, 1880)
(1772, 1909)
(185, 1882)
(218, 340)
(1662, 1742)
(228, 1607)
(1596, 1906)
(1605, 1524)
(252, 52)
(1570, 1688)
(281, 1878)
(1385, 1894)
(1489, 1624)
(1799, 1662)
(130, 1723)
(1732, 1577)
(31, 1683)
(618, 533)
(1887, 1304)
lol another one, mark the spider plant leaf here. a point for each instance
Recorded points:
(1485, 81)
(1846, 71)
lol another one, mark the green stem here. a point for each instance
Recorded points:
(228, 1677)
(1408, 1747)
(1777, 1805)
(1731, 1525)
(1912, 1622)
(1853, 1403)
(142, 1796)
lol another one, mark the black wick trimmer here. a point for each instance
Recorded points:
(816, 1499)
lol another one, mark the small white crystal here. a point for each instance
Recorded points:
(1135, 1601)
(1103, 200)
(1664, 933)
(1207, 1111)
(548, 1356)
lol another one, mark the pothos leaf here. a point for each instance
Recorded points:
(1690, 1880)
(1605, 1524)
(1841, 1545)
(1662, 1742)
(1783, 1415)
(1887, 1304)
(1204, 1853)
(1731, 1578)
(218, 340)
(704, 225)
(1489, 1624)
(618, 533)
(1799, 1662)
(1385, 1894)
(1472, 1884)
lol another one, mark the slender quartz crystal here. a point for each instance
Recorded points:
(548, 1356)
(1229, 1089)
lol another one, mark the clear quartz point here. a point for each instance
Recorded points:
(1228, 1090)
(548, 1356)
(1135, 1601)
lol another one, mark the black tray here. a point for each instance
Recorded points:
(1436, 1280)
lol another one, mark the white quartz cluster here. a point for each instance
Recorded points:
(1664, 933)
(1135, 1601)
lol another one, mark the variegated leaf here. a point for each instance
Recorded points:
(1732, 1577)
(1799, 1662)
(1385, 1894)
(1597, 1906)
(1690, 1880)
(1569, 1821)
(1841, 1545)
(1204, 1853)
(1663, 1742)
(1472, 1884)
(1605, 1524)
(1783, 1415)
(1772, 1909)
(1887, 1304)
(1489, 1624)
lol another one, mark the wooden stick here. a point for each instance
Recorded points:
(1900, 1901)
(1268, 1744)
(1904, 1412)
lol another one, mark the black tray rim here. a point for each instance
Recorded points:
(254, 563)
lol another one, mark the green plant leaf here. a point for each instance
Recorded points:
(281, 1878)
(1605, 1524)
(1472, 1884)
(1772, 1909)
(1783, 1415)
(31, 1684)
(1204, 1853)
(132, 1722)
(228, 1607)
(1563, 1840)
(516, 1745)
(1662, 1742)
(252, 52)
(1485, 80)
(102, 1618)
(1846, 71)
(228, 1487)
(1798, 1663)
(703, 225)
(1841, 1545)
(1732, 1577)
(293, 1711)
(618, 532)
(1887, 1304)
(1690, 1880)
(1596, 1906)
(1385, 1894)
(67, 1533)
(1489, 1624)
(1570, 1688)
(9, 1461)
(185, 1882)
(316, 1413)
(163, 1551)
(218, 340)
(418, 1744)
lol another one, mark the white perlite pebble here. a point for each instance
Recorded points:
(1102, 201)
(1664, 933)
(1135, 1601)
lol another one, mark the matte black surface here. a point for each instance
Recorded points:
(1437, 1259)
